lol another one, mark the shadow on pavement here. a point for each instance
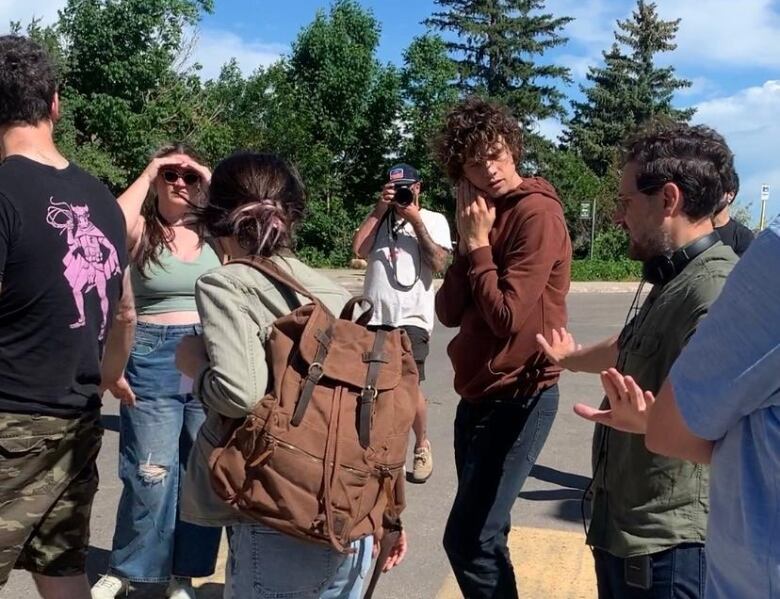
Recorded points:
(562, 479)
(568, 498)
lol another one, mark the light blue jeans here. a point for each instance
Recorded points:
(151, 543)
(266, 564)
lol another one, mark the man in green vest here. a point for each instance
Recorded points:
(649, 512)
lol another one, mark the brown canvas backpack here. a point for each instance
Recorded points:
(321, 457)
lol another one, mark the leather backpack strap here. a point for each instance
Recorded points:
(313, 376)
(375, 359)
(365, 316)
(272, 271)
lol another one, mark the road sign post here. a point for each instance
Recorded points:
(764, 200)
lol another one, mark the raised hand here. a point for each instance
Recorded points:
(560, 346)
(629, 406)
(474, 215)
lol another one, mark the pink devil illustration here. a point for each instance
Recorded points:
(91, 260)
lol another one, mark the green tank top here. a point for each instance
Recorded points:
(170, 287)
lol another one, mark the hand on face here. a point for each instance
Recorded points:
(475, 215)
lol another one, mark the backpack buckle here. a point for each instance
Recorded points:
(369, 394)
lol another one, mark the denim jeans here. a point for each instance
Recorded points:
(150, 542)
(677, 573)
(265, 564)
(496, 445)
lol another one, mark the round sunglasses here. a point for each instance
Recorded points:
(189, 177)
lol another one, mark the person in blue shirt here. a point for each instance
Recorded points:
(721, 405)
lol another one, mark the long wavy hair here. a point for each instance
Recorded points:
(256, 198)
(157, 233)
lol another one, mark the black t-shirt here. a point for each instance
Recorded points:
(735, 235)
(62, 255)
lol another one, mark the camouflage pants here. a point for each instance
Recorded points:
(48, 478)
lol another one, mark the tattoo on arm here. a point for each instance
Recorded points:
(433, 254)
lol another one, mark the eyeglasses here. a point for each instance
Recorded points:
(189, 177)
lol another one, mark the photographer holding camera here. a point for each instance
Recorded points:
(404, 245)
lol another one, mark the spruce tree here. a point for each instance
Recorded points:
(627, 90)
(497, 49)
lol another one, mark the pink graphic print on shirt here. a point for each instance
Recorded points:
(91, 260)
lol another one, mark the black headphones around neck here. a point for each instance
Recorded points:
(659, 270)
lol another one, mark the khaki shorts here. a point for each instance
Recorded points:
(48, 479)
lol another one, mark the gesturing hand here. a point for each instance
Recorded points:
(629, 406)
(475, 215)
(560, 346)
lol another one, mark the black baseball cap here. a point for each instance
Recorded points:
(403, 173)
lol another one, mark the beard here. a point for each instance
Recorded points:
(650, 244)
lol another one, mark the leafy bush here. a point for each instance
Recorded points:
(324, 238)
(605, 270)
(611, 245)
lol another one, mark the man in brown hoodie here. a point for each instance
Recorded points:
(508, 283)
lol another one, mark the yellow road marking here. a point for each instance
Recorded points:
(549, 564)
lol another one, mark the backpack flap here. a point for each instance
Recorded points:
(348, 340)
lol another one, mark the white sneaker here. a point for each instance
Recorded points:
(180, 588)
(109, 587)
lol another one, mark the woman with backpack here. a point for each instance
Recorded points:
(255, 201)
(168, 252)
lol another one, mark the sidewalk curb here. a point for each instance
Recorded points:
(353, 280)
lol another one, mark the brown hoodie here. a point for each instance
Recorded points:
(503, 295)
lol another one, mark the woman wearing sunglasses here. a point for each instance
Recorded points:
(168, 253)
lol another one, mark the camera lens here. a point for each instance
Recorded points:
(403, 195)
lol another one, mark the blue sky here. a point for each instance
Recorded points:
(729, 49)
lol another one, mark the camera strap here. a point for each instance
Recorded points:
(392, 236)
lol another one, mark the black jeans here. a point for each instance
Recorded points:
(496, 444)
(677, 573)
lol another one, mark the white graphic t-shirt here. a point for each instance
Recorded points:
(387, 285)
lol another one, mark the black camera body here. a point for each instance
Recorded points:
(403, 194)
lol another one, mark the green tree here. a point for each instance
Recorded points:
(122, 83)
(497, 50)
(428, 92)
(332, 110)
(628, 89)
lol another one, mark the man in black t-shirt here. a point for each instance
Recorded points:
(732, 232)
(63, 283)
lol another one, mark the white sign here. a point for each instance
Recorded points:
(764, 192)
(585, 210)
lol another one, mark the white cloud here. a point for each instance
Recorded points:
(749, 121)
(700, 87)
(725, 32)
(215, 47)
(549, 128)
(579, 64)
(25, 10)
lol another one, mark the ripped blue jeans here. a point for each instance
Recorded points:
(150, 543)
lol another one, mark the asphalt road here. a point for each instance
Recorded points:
(550, 499)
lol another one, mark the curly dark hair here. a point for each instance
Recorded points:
(471, 131)
(257, 199)
(696, 158)
(28, 81)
